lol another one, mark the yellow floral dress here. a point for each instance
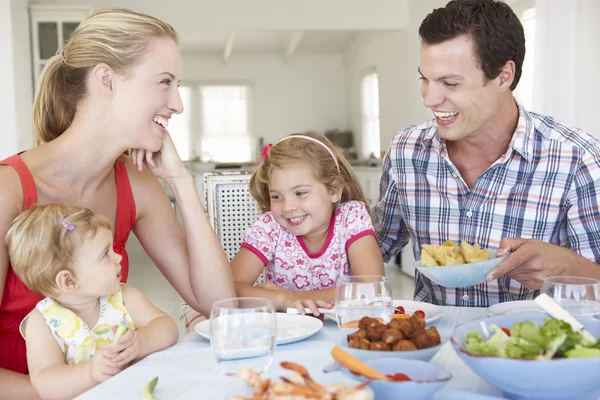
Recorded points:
(77, 341)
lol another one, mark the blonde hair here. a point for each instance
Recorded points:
(116, 37)
(40, 246)
(291, 152)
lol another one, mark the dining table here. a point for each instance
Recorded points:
(188, 369)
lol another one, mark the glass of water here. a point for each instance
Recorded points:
(362, 296)
(243, 333)
(579, 296)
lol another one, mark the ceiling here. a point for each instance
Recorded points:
(287, 43)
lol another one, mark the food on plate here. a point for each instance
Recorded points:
(354, 365)
(554, 339)
(400, 312)
(148, 392)
(400, 334)
(300, 386)
(449, 253)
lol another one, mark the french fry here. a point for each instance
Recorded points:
(450, 253)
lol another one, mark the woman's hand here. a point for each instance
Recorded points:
(164, 164)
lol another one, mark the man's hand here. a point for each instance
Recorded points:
(530, 261)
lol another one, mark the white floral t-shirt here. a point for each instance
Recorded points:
(289, 263)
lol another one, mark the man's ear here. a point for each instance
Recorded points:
(66, 281)
(507, 75)
(103, 77)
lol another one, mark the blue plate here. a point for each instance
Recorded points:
(461, 275)
(427, 379)
(366, 355)
(558, 379)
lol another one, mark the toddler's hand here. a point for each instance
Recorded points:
(126, 350)
(102, 367)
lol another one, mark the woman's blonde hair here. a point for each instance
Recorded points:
(116, 37)
(293, 151)
(40, 245)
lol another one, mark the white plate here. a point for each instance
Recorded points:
(290, 328)
(513, 307)
(432, 312)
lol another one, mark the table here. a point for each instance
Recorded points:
(187, 369)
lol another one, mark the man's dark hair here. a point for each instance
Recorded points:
(495, 30)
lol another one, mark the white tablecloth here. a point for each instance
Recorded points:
(188, 369)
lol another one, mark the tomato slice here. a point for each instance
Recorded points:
(420, 312)
(399, 310)
(399, 377)
(506, 330)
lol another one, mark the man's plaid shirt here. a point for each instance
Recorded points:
(545, 187)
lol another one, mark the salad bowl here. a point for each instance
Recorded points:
(539, 368)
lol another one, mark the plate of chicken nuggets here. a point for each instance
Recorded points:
(452, 265)
(404, 337)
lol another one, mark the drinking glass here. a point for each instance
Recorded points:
(579, 296)
(362, 296)
(243, 333)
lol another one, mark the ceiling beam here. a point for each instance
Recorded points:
(292, 45)
(228, 46)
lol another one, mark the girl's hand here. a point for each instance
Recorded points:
(164, 164)
(126, 350)
(290, 301)
(102, 367)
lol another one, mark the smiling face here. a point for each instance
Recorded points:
(455, 89)
(147, 95)
(97, 267)
(299, 202)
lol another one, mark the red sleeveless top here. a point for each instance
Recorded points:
(17, 300)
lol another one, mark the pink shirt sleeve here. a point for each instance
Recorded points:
(357, 221)
(261, 237)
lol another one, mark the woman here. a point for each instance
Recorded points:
(113, 88)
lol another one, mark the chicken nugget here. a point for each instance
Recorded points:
(365, 322)
(417, 323)
(374, 332)
(359, 343)
(404, 345)
(391, 336)
(402, 325)
(361, 333)
(427, 339)
(379, 346)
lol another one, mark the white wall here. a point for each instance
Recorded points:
(15, 78)
(307, 93)
(395, 57)
(264, 14)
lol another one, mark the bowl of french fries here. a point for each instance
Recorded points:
(452, 265)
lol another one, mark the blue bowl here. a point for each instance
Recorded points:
(427, 379)
(461, 275)
(366, 355)
(559, 379)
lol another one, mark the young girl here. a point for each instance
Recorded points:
(315, 229)
(66, 253)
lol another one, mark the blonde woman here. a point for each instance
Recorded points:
(74, 335)
(113, 87)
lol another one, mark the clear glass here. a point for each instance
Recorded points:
(579, 296)
(243, 333)
(362, 296)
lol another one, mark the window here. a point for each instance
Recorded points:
(524, 90)
(370, 115)
(214, 124)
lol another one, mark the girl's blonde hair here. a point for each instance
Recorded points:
(293, 151)
(116, 37)
(40, 245)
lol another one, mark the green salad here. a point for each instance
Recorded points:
(554, 339)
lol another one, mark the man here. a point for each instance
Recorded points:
(485, 168)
